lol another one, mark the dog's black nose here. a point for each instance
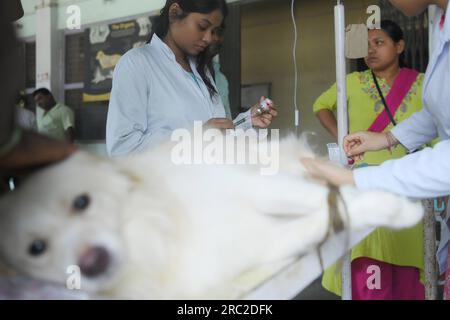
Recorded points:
(94, 262)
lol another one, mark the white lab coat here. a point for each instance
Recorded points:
(152, 95)
(425, 174)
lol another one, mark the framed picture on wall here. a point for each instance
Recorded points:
(104, 45)
(251, 93)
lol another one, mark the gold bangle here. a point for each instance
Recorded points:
(16, 136)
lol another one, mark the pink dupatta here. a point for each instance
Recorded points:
(394, 99)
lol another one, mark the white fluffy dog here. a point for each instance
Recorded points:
(144, 227)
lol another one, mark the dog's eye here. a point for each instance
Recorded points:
(81, 202)
(37, 248)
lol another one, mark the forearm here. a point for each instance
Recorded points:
(328, 121)
(416, 130)
(136, 142)
(356, 144)
(33, 151)
(391, 140)
(424, 174)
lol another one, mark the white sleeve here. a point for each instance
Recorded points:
(425, 174)
(417, 130)
(127, 125)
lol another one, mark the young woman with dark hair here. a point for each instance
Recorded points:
(163, 86)
(424, 174)
(397, 254)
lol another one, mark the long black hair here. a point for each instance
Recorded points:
(395, 32)
(161, 26)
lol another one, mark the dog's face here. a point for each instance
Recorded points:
(54, 223)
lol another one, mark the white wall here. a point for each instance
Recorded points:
(266, 26)
(267, 40)
(92, 11)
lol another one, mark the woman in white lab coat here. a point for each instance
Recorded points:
(161, 87)
(424, 174)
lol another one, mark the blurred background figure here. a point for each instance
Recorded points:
(21, 150)
(25, 118)
(398, 253)
(55, 120)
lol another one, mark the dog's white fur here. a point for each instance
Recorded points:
(178, 232)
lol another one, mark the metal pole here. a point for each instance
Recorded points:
(431, 22)
(429, 237)
(341, 77)
(342, 118)
(429, 230)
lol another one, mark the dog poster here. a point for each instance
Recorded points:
(104, 46)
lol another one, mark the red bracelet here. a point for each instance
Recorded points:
(390, 141)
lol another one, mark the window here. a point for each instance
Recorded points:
(74, 98)
(74, 58)
(90, 118)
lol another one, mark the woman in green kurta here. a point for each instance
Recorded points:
(386, 47)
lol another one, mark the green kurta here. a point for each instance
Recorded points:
(404, 247)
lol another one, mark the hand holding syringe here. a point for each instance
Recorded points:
(266, 106)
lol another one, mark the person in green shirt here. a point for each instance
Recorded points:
(398, 254)
(56, 120)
